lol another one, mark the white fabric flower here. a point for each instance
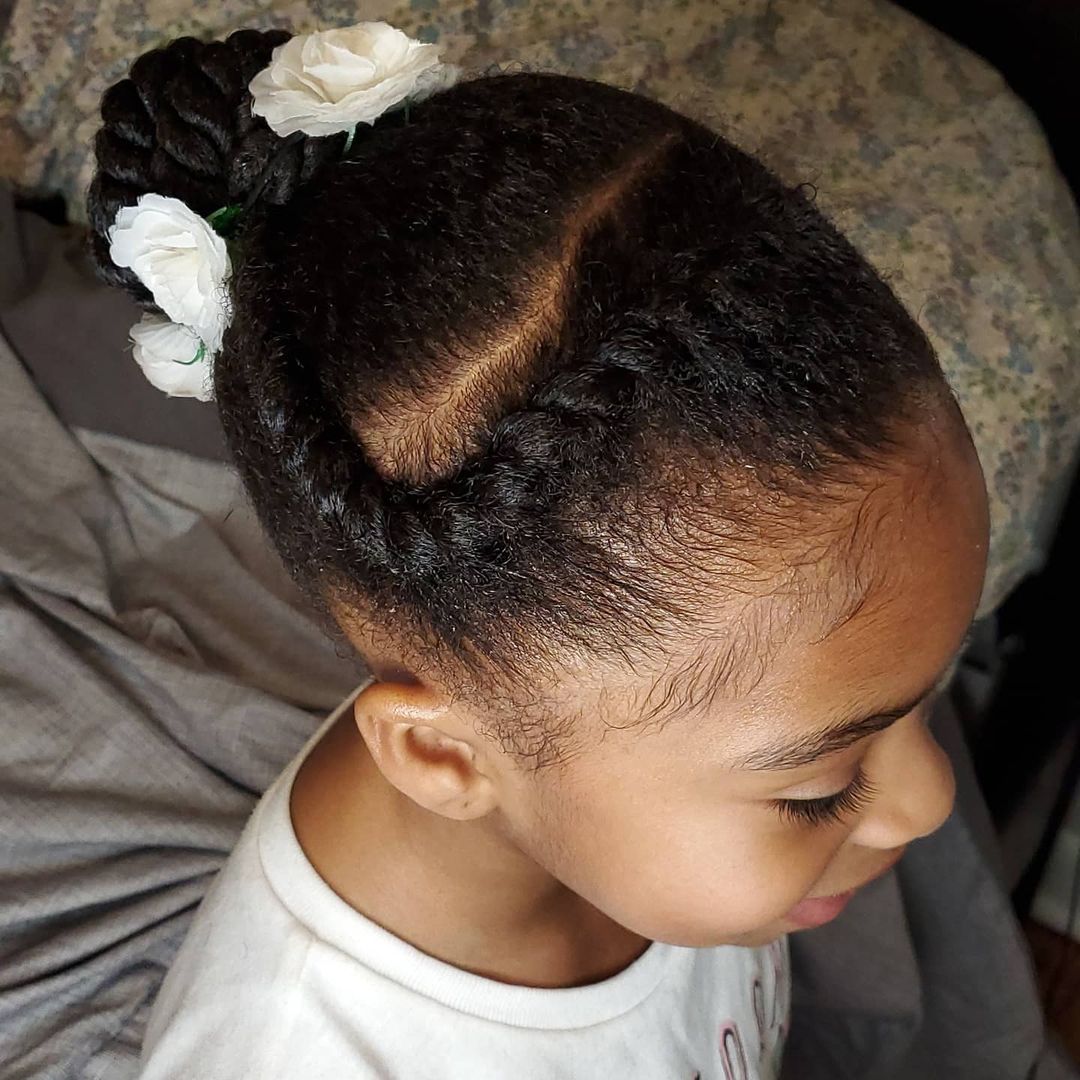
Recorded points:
(330, 81)
(172, 357)
(179, 258)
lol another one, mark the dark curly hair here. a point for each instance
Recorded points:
(498, 381)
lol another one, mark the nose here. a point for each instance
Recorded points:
(916, 786)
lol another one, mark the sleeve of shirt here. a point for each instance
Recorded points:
(227, 1008)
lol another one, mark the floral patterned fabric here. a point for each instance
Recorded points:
(917, 148)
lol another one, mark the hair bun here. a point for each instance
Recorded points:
(181, 125)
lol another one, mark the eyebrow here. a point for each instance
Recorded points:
(808, 748)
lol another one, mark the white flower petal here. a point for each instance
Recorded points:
(180, 259)
(169, 355)
(330, 81)
(341, 72)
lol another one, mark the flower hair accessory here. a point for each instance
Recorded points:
(316, 84)
(185, 265)
(332, 80)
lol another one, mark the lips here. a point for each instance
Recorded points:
(815, 910)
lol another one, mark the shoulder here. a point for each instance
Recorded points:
(235, 1033)
(286, 1008)
(231, 987)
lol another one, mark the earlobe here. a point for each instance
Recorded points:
(423, 749)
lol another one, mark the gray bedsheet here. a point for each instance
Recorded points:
(156, 672)
(155, 675)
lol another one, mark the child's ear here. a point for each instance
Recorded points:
(424, 749)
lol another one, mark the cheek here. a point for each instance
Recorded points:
(689, 875)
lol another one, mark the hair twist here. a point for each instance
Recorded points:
(181, 125)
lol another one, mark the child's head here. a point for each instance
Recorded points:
(617, 462)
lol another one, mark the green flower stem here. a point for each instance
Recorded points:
(196, 358)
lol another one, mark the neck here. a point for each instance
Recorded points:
(460, 891)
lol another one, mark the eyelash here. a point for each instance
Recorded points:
(829, 808)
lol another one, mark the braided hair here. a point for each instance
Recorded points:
(479, 370)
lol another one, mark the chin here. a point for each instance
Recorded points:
(749, 939)
(765, 936)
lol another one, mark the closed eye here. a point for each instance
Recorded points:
(828, 808)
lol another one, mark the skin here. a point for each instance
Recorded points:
(563, 877)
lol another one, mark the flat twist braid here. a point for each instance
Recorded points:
(454, 535)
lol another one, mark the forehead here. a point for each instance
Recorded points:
(874, 597)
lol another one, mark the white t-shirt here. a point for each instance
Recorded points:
(279, 978)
